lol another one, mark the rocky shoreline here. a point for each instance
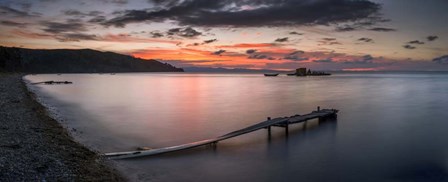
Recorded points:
(35, 147)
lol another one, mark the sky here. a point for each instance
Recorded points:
(350, 35)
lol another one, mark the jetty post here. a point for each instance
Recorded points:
(269, 128)
(319, 119)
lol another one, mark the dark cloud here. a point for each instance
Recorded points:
(381, 29)
(416, 42)
(12, 24)
(263, 13)
(441, 60)
(70, 31)
(156, 34)
(295, 33)
(360, 24)
(72, 12)
(251, 51)
(365, 39)
(75, 37)
(7, 11)
(118, 2)
(329, 41)
(323, 61)
(285, 39)
(56, 27)
(366, 59)
(210, 41)
(218, 52)
(295, 56)
(184, 32)
(260, 56)
(409, 47)
(345, 28)
(432, 38)
(98, 19)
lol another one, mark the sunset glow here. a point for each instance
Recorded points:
(377, 35)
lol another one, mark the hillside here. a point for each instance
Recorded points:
(75, 61)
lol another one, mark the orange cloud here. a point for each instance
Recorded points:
(129, 38)
(246, 46)
(195, 57)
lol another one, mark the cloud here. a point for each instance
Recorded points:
(13, 24)
(345, 28)
(323, 60)
(432, 38)
(415, 42)
(237, 13)
(285, 39)
(204, 42)
(97, 19)
(7, 11)
(31, 35)
(365, 39)
(295, 56)
(62, 37)
(441, 60)
(155, 34)
(73, 12)
(218, 52)
(257, 56)
(75, 37)
(329, 41)
(409, 47)
(118, 2)
(251, 51)
(187, 32)
(246, 45)
(210, 41)
(57, 27)
(366, 59)
(295, 33)
(129, 38)
(381, 29)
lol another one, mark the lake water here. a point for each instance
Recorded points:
(391, 126)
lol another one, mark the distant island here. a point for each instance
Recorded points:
(304, 72)
(75, 61)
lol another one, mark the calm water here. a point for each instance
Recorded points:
(391, 127)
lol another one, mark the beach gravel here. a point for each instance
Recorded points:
(35, 147)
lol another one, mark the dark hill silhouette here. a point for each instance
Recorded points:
(75, 61)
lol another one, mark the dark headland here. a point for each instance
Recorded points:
(76, 61)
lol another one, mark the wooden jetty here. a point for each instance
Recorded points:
(276, 122)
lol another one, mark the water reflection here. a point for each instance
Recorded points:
(391, 126)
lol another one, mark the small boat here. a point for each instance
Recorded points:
(271, 74)
(291, 74)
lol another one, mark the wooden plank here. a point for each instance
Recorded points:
(252, 128)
